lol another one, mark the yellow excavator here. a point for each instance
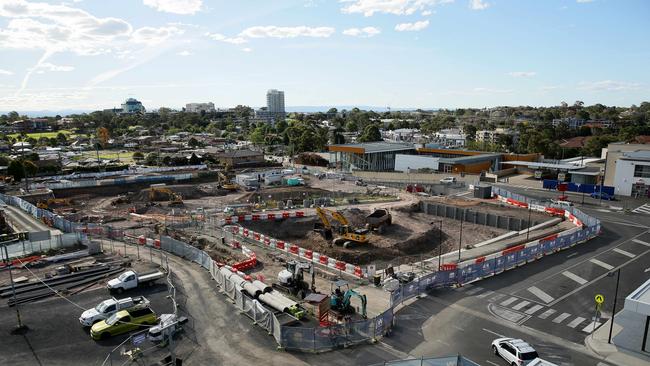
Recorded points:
(46, 204)
(346, 235)
(165, 194)
(226, 183)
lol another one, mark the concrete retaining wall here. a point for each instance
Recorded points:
(477, 217)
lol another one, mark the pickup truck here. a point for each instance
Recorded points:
(130, 279)
(106, 308)
(123, 321)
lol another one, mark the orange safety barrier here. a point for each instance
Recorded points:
(309, 254)
(323, 259)
(300, 214)
(255, 217)
(270, 216)
(340, 265)
(448, 266)
(285, 215)
(358, 272)
(293, 249)
(480, 260)
(280, 245)
(516, 248)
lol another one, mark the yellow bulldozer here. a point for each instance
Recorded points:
(53, 202)
(345, 235)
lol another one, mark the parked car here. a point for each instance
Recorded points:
(106, 308)
(514, 351)
(562, 203)
(606, 196)
(448, 180)
(122, 322)
(130, 279)
(169, 325)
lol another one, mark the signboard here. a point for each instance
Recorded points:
(39, 235)
(538, 174)
(599, 299)
(139, 338)
(561, 177)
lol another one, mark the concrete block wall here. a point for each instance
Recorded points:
(477, 217)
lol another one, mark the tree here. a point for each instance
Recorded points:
(192, 142)
(15, 169)
(103, 136)
(30, 168)
(138, 155)
(370, 133)
(470, 131)
(194, 160)
(151, 159)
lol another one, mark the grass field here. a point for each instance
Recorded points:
(125, 157)
(38, 135)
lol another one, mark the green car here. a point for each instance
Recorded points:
(122, 322)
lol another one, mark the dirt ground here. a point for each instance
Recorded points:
(412, 234)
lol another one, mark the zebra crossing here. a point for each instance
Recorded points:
(643, 209)
(532, 309)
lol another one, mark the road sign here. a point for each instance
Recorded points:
(599, 299)
(139, 338)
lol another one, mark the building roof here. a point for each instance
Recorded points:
(636, 155)
(532, 164)
(590, 170)
(372, 147)
(470, 159)
(575, 142)
(642, 139)
(239, 154)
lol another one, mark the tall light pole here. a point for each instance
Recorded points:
(528, 229)
(611, 325)
(439, 245)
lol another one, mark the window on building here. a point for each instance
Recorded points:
(642, 171)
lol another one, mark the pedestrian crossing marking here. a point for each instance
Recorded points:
(561, 318)
(642, 209)
(546, 314)
(575, 277)
(509, 301)
(601, 263)
(496, 298)
(521, 305)
(575, 322)
(591, 326)
(533, 310)
(625, 253)
(541, 294)
(641, 242)
(485, 294)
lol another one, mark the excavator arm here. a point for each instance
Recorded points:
(323, 217)
(322, 213)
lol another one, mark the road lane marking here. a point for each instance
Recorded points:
(591, 327)
(625, 253)
(520, 305)
(495, 333)
(533, 310)
(541, 294)
(572, 255)
(575, 322)
(492, 363)
(641, 242)
(546, 314)
(496, 298)
(601, 263)
(561, 318)
(485, 294)
(509, 301)
(575, 277)
(474, 290)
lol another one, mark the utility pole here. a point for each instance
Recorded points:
(602, 182)
(611, 323)
(528, 230)
(21, 326)
(440, 246)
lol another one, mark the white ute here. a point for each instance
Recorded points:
(130, 279)
(515, 352)
(106, 308)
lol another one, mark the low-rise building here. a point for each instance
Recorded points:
(200, 107)
(452, 137)
(632, 174)
(240, 158)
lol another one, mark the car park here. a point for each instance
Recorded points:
(122, 322)
(514, 351)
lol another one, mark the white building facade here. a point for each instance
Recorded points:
(275, 103)
(632, 176)
(199, 107)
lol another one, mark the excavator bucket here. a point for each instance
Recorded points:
(324, 231)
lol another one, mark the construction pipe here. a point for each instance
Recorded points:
(287, 301)
(251, 289)
(277, 303)
(262, 286)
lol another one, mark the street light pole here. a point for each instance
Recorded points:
(528, 229)
(440, 247)
(611, 325)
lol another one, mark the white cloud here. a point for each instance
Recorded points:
(235, 40)
(584, 1)
(426, 13)
(478, 5)
(5, 72)
(522, 74)
(185, 53)
(247, 49)
(396, 7)
(272, 31)
(46, 66)
(411, 27)
(215, 36)
(183, 7)
(365, 32)
(609, 85)
(154, 36)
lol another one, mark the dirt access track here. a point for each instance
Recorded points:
(411, 234)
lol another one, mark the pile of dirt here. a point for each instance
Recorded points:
(223, 255)
(186, 191)
(297, 194)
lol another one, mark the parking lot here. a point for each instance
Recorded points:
(54, 335)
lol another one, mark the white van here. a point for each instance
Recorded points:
(562, 203)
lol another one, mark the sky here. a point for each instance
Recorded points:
(93, 54)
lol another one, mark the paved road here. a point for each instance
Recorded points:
(25, 221)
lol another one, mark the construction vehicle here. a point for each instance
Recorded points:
(226, 183)
(340, 300)
(46, 204)
(291, 279)
(378, 220)
(346, 235)
(165, 194)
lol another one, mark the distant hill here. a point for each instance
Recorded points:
(48, 113)
(322, 108)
